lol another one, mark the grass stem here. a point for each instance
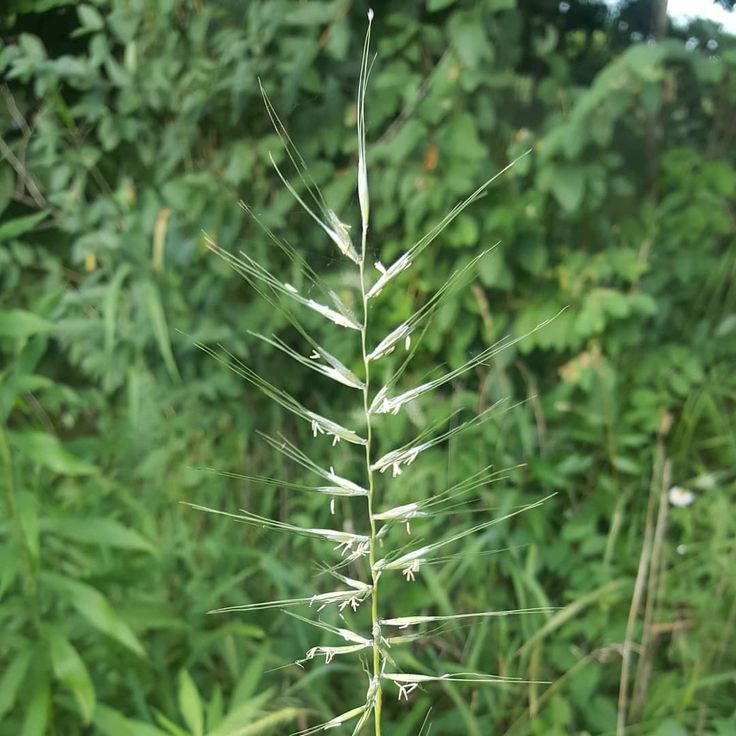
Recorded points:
(371, 487)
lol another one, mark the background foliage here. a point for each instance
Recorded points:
(129, 125)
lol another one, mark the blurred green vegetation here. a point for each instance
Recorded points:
(130, 125)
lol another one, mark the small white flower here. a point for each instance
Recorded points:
(680, 496)
(345, 546)
(681, 549)
(411, 570)
(353, 602)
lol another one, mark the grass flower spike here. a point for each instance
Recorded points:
(365, 551)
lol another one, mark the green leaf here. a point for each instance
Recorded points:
(98, 530)
(152, 303)
(21, 323)
(32, 48)
(460, 138)
(190, 704)
(463, 232)
(19, 225)
(627, 465)
(469, 39)
(172, 728)
(435, 5)
(248, 682)
(266, 723)
(610, 589)
(9, 568)
(109, 308)
(71, 671)
(90, 18)
(12, 680)
(568, 185)
(494, 271)
(670, 727)
(28, 521)
(214, 714)
(243, 714)
(112, 723)
(404, 142)
(7, 182)
(47, 451)
(37, 712)
(39, 6)
(96, 609)
(313, 13)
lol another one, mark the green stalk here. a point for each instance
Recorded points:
(371, 487)
(28, 573)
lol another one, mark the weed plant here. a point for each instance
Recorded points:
(362, 557)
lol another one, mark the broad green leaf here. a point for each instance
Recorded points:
(601, 713)
(71, 671)
(97, 530)
(460, 138)
(37, 710)
(468, 36)
(567, 182)
(12, 680)
(405, 141)
(20, 225)
(494, 271)
(46, 450)
(21, 323)
(112, 723)
(90, 17)
(96, 609)
(190, 704)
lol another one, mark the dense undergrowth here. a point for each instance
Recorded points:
(128, 126)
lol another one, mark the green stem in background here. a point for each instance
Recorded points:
(371, 489)
(7, 479)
